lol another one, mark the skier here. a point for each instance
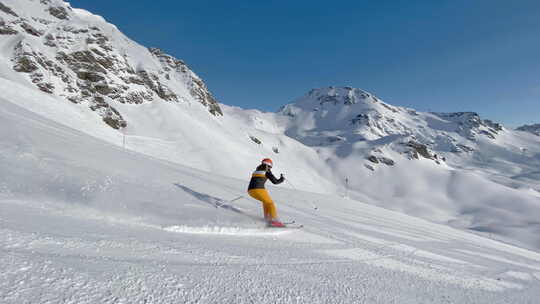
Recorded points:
(257, 191)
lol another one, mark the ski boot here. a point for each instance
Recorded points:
(275, 224)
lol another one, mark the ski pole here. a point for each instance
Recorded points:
(221, 203)
(233, 200)
(312, 205)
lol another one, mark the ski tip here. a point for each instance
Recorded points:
(294, 226)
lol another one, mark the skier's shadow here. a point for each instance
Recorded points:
(215, 202)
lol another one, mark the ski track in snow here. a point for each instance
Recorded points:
(238, 231)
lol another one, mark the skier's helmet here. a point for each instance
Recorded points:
(268, 162)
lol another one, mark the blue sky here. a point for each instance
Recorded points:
(459, 55)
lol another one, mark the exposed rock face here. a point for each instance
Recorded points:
(380, 159)
(419, 149)
(35, 65)
(31, 30)
(534, 129)
(7, 10)
(197, 87)
(255, 140)
(76, 55)
(469, 124)
(59, 12)
(6, 29)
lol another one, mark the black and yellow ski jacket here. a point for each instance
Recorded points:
(260, 176)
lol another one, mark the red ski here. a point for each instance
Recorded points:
(278, 224)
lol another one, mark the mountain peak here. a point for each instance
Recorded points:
(341, 108)
(344, 118)
(337, 96)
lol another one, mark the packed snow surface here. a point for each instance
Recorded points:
(84, 221)
(156, 212)
(450, 168)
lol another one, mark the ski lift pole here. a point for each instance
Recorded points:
(347, 187)
(123, 131)
(296, 189)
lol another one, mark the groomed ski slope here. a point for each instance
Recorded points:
(84, 221)
(331, 140)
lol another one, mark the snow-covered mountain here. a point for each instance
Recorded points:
(454, 168)
(336, 115)
(343, 121)
(534, 129)
(74, 54)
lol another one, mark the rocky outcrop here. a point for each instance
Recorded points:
(59, 12)
(94, 64)
(255, 139)
(35, 64)
(152, 82)
(110, 115)
(197, 87)
(201, 93)
(28, 28)
(469, 125)
(6, 9)
(343, 96)
(6, 29)
(335, 139)
(381, 159)
(463, 148)
(418, 149)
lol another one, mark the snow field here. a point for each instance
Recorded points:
(75, 229)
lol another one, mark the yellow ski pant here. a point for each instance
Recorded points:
(269, 208)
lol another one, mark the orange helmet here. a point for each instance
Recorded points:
(268, 162)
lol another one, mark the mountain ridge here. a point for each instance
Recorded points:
(78, 55)
(346, 114)
(534, 129)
